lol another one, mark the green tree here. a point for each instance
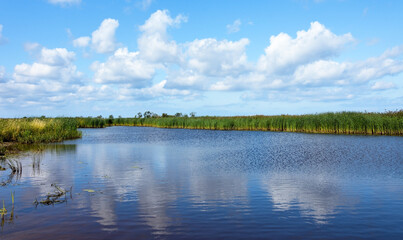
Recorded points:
(110, 119)
(148, 114)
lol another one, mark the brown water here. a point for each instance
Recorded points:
(154, 183)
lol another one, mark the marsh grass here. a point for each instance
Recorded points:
(388, 123)
(45, 130)
(38, 130)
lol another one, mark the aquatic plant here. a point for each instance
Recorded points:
(3, 211)
(53, 198)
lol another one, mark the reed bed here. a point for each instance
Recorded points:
(388, 123)
(44, 130)
(38, 130)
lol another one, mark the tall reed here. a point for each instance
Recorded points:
(38, 130)
(389, 123)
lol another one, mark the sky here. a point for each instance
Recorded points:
(222, 58)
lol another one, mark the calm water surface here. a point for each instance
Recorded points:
(154, 183)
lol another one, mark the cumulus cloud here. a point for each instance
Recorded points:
(284, 53)
(389, 63)
(383, 85)
(234, 27)
(219, 58)
(124, 67)
(301, 68)
(103, 39)
(49, 81)
(55, 64)
(294, 67)
(81, 42)
(320, 72)
(64, 2)
(156, 91)
(206, 60)
(223, 66)
(154, 44)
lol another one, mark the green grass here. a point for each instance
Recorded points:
(388, 123)
(45, 130)
(38, 130)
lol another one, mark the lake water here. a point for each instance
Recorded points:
(150, 183)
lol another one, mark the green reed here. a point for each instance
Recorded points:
(388, 123)
(38, 130)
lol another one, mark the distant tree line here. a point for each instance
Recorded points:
(147, 114)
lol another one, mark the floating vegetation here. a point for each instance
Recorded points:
(55, 197)
(89, 190)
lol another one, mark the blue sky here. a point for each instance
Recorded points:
(89, 58)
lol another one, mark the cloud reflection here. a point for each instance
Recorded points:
(316, 196)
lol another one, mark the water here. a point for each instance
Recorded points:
(154, 183)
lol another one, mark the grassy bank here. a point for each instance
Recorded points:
(38, 130)
(45, 130)
(388, 123)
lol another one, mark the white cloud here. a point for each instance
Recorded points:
(81, 42)
(234, 27)
(303, 68)
(2, 72)
(64, 2)
(56, 57)
(103, 39)
(389, 63)
(284, 53)
(156, 91)
(223, 66)
(206, 60)
(154, 44)
(218, 58)
(55, 64)
(319, 72)
(124, 67)
(383, 85)
(302, 63)
(334, 73)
